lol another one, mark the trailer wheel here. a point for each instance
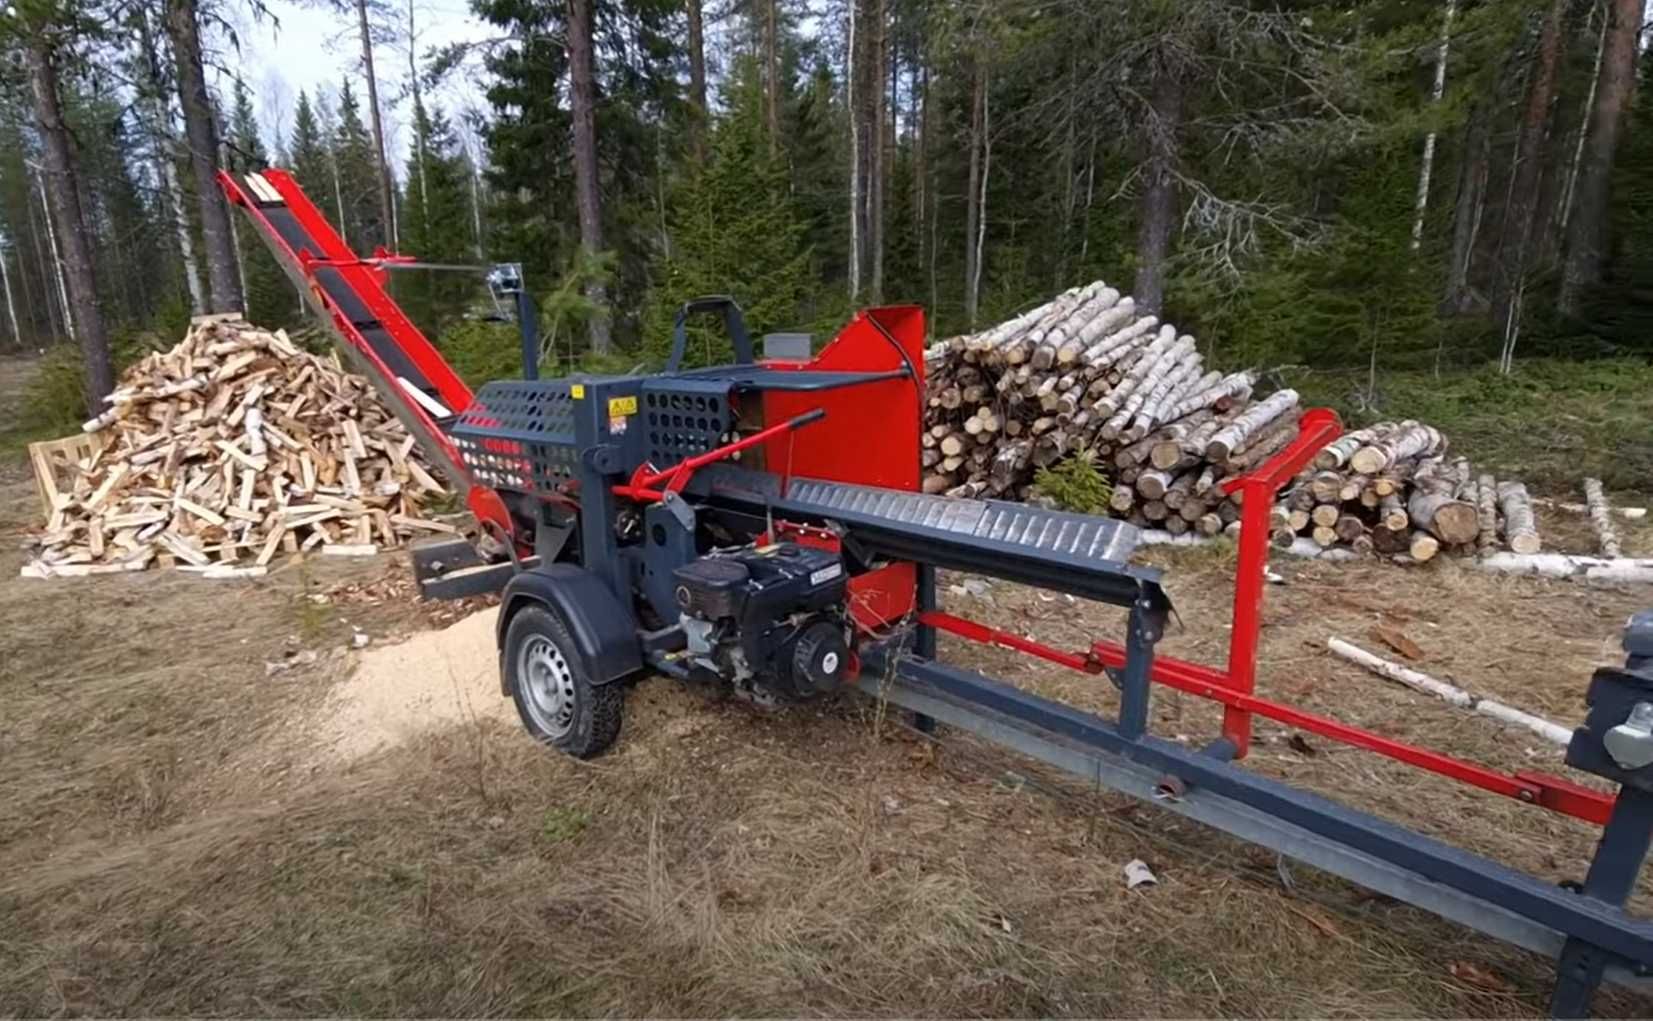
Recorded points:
(555, 698)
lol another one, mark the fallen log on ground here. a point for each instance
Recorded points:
(1450, 693)
(1596, 499)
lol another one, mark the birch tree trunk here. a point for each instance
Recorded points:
(53, 271)
(1467, 211)
(850, 77)
(1157, 218)
(981, 198)
(79, 272)
(583, 102)
(1427, 169)
(201, 134)
(879, 50)
(1564, 211)
(1615, 85)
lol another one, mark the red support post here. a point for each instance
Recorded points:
(1316, 428)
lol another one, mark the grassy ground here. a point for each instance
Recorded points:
(1549, 422)
(172, 843)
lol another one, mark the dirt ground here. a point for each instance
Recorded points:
(180, 832)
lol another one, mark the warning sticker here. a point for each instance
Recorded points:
(619, 406)
(577, 391)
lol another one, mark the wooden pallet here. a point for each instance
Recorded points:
(56, 461)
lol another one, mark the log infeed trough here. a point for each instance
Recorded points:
(725, 525)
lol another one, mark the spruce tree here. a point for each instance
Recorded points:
(358, 177)
(436, 224)
(307, 151)
(734, 231)
(269, 294)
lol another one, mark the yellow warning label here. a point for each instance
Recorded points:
(577, 391)
(618, 406)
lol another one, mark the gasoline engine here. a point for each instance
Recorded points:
(769, 619)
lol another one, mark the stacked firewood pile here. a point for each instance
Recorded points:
(1391, 489)
(1086, 375)
(232, 447)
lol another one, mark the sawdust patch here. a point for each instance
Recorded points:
(431, 682)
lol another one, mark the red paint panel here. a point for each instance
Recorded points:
(870, 435)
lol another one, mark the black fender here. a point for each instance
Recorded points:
(603, 628)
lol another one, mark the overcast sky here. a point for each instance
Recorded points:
(311, 49)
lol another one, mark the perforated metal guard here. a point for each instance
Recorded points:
(518, 435)
(1029, 528)
(677, 425)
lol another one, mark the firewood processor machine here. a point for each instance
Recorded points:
(759, 525)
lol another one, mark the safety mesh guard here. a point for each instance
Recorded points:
(518, 435)
(680, 425)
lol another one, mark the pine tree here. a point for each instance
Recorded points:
(1621, 310)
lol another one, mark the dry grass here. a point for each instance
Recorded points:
(168, 845)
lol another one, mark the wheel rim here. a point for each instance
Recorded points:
(547, 683)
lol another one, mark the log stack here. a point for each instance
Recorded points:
(1085, 374)
(232, 447)
(1391, 489)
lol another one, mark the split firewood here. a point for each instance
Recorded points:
(1520, 529)
(1606, 537)
(232, 446)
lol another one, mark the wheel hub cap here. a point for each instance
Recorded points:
(547, 685)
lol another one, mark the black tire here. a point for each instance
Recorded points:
(554, 696)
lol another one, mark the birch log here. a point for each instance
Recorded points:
(1520, 530)
(1336, 454)
(1233, 436)
(1434, 506)
(1486, 514)
(1606, 537)
(1450, 693)
(1412, 439)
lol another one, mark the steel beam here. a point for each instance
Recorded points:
(1465, 888)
